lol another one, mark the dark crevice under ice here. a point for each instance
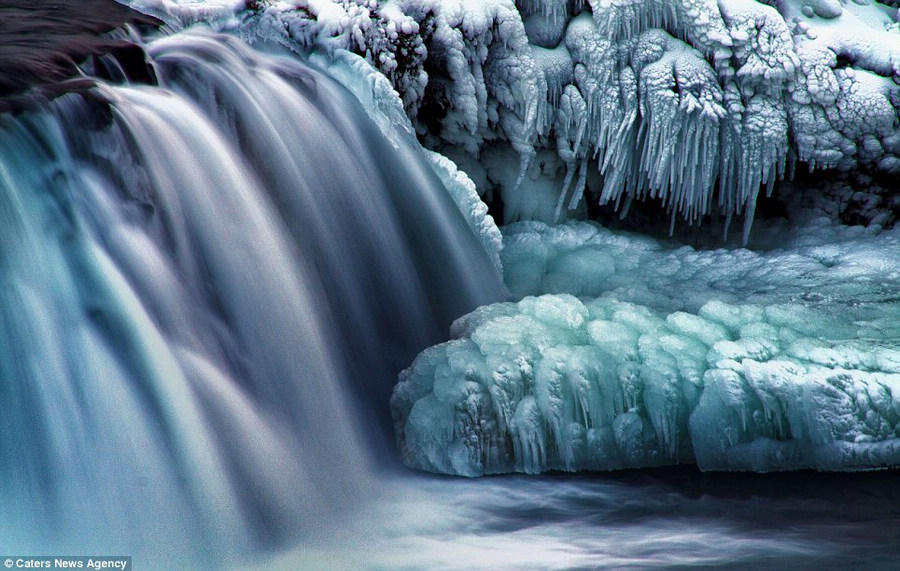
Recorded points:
(208, 289)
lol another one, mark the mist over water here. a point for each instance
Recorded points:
(207, 289)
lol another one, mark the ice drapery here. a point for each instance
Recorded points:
(695, 102)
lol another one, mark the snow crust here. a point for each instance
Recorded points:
(735, 360)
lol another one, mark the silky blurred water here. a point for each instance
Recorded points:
(668, 517)
(208, 288)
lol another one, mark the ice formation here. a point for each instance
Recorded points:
(464, 194)
(731, 359)
(693, 102)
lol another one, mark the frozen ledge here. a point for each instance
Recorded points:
(552, 383)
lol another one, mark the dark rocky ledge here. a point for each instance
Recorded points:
(43, 42)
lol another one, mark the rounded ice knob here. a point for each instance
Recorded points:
(827, 8)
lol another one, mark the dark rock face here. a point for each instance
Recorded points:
(42, 44)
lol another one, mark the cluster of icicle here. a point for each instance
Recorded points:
(697, 103)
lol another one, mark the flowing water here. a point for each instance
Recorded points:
(207, 289)
(669, 517)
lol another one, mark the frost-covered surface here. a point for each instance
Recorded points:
(182, 13)
(769, 360)
(695, 102)
(463, 192)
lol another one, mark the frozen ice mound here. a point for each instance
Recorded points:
(733, 360)
(553, 383)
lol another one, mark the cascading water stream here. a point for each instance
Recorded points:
(206, 288)
(381, 211)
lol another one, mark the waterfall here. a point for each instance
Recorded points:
(208, 288)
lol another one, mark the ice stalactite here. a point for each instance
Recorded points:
(788, 81)
(680, 106)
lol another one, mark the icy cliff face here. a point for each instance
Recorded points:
(692, 102)
(731, 359)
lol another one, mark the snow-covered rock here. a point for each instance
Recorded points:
(844, 103)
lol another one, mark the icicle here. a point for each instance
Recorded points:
(524, 165)
(749, 212)
(623, 212)
(570, 174)
(579, 186)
